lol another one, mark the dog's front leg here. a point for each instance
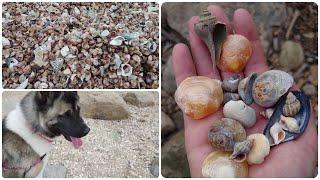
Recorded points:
(44, 161)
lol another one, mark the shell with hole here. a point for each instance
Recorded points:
(277, 133)
(218, 165)
(241, 149)
(199, 96)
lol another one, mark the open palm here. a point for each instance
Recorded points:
(292, 159)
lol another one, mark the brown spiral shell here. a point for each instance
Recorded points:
(292, 105)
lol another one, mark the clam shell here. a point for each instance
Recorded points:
(224, 133)
(292, 105)
(230, 96)
(117, 41)
(302, 117)
(241, 112)
(231, 84)
(245, 88)
(270, 86)
(218, 165)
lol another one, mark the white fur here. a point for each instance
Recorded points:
(17, 123)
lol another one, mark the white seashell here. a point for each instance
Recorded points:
(289, 124)
(267, 113)
(23, 85)
(241, 112)
(130, 36)
(43, 86)
(152, 46)
(65, 51)
(117, 41)
(126, 69)
(277, 133)
(104, 33)
(38, 56)
(12, 62)
(117, 60)
(5, 42)
(76, 10)
(259, 150)
(57, 64)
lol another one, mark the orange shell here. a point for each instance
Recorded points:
(236, 51)
(199, 96)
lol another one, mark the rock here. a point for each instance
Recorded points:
(103, 105)
(67, 71)
(168, 79)
(154, 168)
(174, 162)
(167, 125)
(291, 56)
(314, 74)
(104, 33)
(309, 89)
(23, 85)
(178, 119)
(5, 42)
(65, 51)
(54, 171)
(140, 99)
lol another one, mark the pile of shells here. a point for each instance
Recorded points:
(80, 45)
(288, 112)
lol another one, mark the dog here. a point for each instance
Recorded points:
(29, 130)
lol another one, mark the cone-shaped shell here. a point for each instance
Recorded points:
(199, 96)
(241, 149)
(292, 105)
(289, 124)
(219, 165)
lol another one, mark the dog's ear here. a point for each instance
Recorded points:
(45, 98)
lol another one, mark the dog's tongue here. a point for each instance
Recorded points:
(76, 142)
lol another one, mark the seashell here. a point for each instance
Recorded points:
(104, 33)
(117, 41)
(38, 56)
(43, 86)
(117, 60)
(230, 96)
(235, 53)
(212, 32)
(267, 113)
(224, 133)
(289, 124)
(245, 88)
(241, 112)
(152, 47)
(259, 150)
(5, 42)
(65, 51)
(302, 117)
(11, 62)
(23, 85)
(199, 96)
(77, 10)
(270, 86)
(218, 165)
(240, 150)
(126, 69)
(277, 133)
(231, 84)
(292, 105)
(57, 64)
(130, 36)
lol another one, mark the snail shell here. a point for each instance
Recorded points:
(270, 86)
(289, 124)
(267, 113)
(218, 165)
(292, 105)
(277, 133)
(236, 51)
(245, 88)
(231, 84)
(228, 96)
(241, 112)
(199, 96)
(225, 133)
(241, 149)
(259, 150)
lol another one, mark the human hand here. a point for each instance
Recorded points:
(296, 158)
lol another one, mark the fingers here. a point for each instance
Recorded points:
(201, 55)
(244, 25)
(218, 12)
(182, 63)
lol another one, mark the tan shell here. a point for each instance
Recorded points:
(199, 96)
(236, 51)
(289, 124)
(277, 133)
(292, 105)
(241, 149)
(260, 148)
(218, 164)
(224, 133)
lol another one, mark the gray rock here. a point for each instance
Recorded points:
(168, 79)
(167, 125)
(103, 105)
(174, 162)
(54, 171)
(291, 56)
(309, 89)
(140, 99)
(154, 168)
(178, 119)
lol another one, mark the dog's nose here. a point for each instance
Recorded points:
(86, 130)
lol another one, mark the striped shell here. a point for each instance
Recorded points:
(292, 105)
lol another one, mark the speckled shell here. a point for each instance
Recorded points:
(270, 86)
(199, 96)
(241, 112)
(218, 165)
(241, 149)
(236, 51)
(292, 105)
(225, 133)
